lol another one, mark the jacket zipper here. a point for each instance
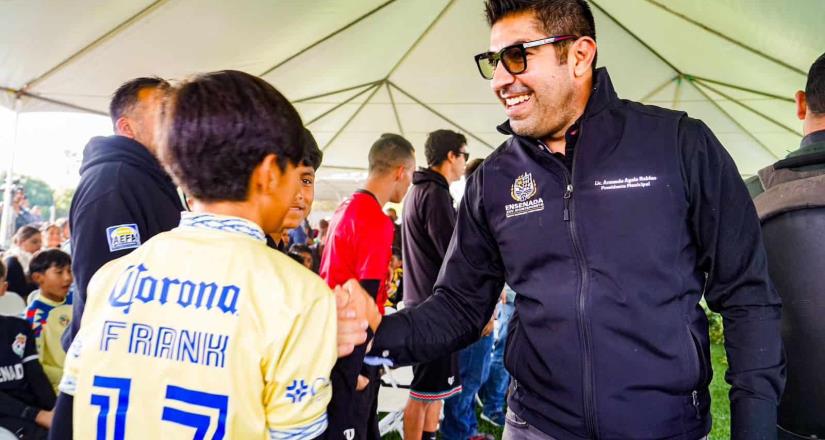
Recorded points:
(590, 419)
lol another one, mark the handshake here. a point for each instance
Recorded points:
(356, 312)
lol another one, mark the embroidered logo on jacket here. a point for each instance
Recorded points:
(522, 191)
(123, 237)
(19, 344)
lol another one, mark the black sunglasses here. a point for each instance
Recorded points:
(463, 153)
(513, 57)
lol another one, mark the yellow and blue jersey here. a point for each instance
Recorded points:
(49, 319)
(203, 332)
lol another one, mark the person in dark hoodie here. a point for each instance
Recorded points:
(429, 219)
(124, 196)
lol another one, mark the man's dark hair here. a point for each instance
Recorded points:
(815, 89)
(439, 143)
(43, 260)
(312, 154)
(556, 17)
(219, 126)
(472, 166)
(126, 96)
(389, 151)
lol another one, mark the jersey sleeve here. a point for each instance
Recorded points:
(297, 387)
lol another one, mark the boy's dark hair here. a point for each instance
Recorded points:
(439, 143)
(219, 126)
(557, 17)
(297, 257)
(815, 88)
(388, 152)
(312, 154)
(2, 269)
(126, 96)
(472, 166)
(43, 260)
(300, 249)
(396, 252)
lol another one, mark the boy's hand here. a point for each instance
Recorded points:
(44, 418)
(363, 303)
(352, 329)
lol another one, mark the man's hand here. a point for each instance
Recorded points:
(362, 383)
(44, 418)
(488, 329)
(362, 303)
(352, 329)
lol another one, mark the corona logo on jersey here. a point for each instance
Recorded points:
(136, 284)
(123, 237)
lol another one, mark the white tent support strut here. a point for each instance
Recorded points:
(658, 89)
(98, 41)
(6, 228)
(433, 111)
(373, 87)
(394, 108)
(357, 111)
(724, 112)
(325, 38)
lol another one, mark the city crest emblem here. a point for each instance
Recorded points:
(523, 191)
(523, 188)
(19, 344)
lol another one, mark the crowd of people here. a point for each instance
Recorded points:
(187, 295)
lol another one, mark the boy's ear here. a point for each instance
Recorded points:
(37, 277)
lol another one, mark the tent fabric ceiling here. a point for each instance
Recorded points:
(359, 68)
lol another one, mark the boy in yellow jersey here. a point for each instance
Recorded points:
(50, 310)
(204, 332)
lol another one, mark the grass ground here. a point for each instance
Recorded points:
(720, 407)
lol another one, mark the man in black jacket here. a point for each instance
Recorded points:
(610, 219)
(124, 196)
(429, 219)
(790, 202)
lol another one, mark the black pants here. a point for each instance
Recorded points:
(24, 429)
(353, 415)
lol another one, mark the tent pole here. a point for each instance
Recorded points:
(658, 89)
(432, 110)
(395, 109)
(6, 228)
(346, 124)
(744, 89)
(337, 106)
(677, 94)
(749, 108)
(728, 39)
(724, 112)
(335, 92)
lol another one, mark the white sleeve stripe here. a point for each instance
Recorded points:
(33, 357)
(311, 430)
(68, 384)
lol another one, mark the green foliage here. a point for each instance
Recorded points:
(62, 202)
(716, 328)
(38, 192)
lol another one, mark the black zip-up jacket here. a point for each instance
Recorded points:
(429, 219)
(121, 183)
(608, 340)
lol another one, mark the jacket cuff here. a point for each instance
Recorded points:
(753, 419)
(29, 413)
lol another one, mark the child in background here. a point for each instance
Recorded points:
(50, 309)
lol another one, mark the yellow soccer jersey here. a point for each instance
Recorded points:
(49, 320)
(203, 332)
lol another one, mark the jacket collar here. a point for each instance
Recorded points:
(603, 96)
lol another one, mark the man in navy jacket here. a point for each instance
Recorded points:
(124, 196)
(611, 219)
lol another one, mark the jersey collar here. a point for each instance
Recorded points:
(223, 223)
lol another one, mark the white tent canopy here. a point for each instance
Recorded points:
(359, 68)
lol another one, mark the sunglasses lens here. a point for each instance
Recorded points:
(486, 65)
(514, 60)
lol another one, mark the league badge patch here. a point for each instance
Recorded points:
(123, 237)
